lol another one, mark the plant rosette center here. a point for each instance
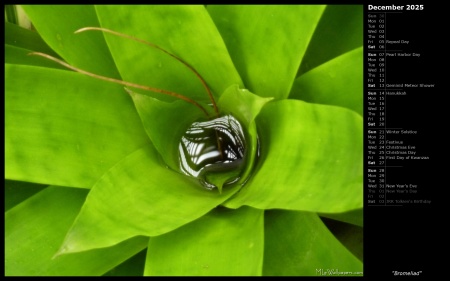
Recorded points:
(174, 170)
(213, 147)
(214, 151)
(218, 151)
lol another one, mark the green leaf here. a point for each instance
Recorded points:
(185, 31)
(336, 82)
(351, 236)
(19, 42)
(354, 217)
(17, 55)
(267, 42)
(298, 243)
(26, 39)
(63, 128)
(11, 14)
(18, 191)
(311, 159)
(138, 196)
(340, 30)
(132, 267)
(245, 106)
(165, 124)
(224, 242)
(314, 164)
(57, 24)
(35, 228)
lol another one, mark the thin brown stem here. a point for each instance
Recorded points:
(125, 83)
(161, 49)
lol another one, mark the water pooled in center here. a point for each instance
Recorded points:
(213, 151)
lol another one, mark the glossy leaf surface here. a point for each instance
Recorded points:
(223, 236)
(266, 56)
(138, 196)
(298, 243)
(319, 170)
(61, 133)
(336, 82)
(185, 31)
(36, 227)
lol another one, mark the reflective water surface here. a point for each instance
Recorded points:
(212, 147)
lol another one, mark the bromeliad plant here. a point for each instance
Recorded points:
(107, 179)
